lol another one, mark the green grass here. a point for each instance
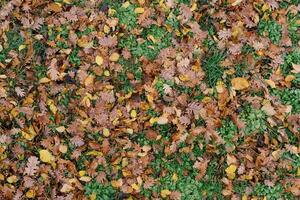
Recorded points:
(127, 17)
(14, 40)
(272, 193)
(213, 70)
(272, 29)
(103, 192)
(290, 58)
(289, 96)
(73, 57)
(256, 120)
(150, 49)
(228, 131)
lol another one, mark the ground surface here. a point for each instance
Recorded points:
(169, 99)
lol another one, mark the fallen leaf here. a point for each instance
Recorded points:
(60, 129)
(165, 193)
(99, 60)
(139, 10)
(106, 132)
(162, 120)
(240, 83)
(114, 57)
(296, 68)
(12, 179)
(117, 183)
(66, 188)
(230, 171)
(271, 83)
(269, 110)
(46, 156)
(89, 80)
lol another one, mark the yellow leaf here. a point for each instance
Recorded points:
(129, 130)
(269, 109)
(220, 87)
(240, 83)
(66, 188)
(67, 1)
(175, 177)
(271, 83)
(63, 148)
(151, 38)
(141, 2)
(12, 179)
(44, 80)
(85, 178)
(30, 194)
(89, 80)
(94, 153)
(55, 7)
(99, 60)
(83, 42)
(52, 107)
(106, 132)
(106, 29)
(153, 120)
(82, 173)
(139, 10)
(29, 134)
(21, 47)
(106, 73)
(46, 156)
(114, 57)
(289, 78)
(126, 4)
(60, 129)
(133, 113)
(237, 2)
(93, 196)
(117, 183)
(231, 171)
(162, 120)
(165, 193)
(296, 68)
(135, 186)
(298, 171)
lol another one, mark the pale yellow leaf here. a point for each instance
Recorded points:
(139, 10)
(60, 129)
(63, 148)
(106, 132)
(114, 57)
(66, 188)
(12, 179)
(89, 80)
(162, 120)
(30, 194)
(99, 60)
(46, 156)
(296, 68)
(240, 83)
(269, 110)
(133, 113)
(85, 178)
(165, 193)
(117, 183)
(44, 80)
